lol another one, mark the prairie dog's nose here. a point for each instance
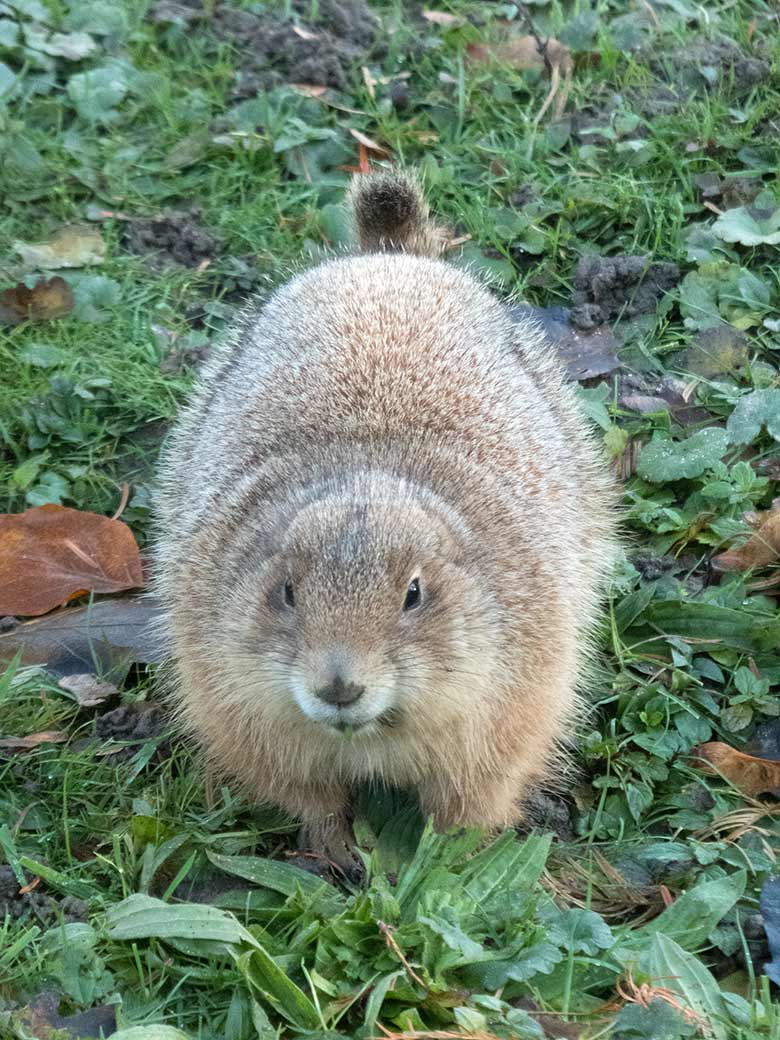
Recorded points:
(340, 693)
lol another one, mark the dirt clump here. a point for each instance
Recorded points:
(708, 64)
(608, 286)
(134, 724)
(44, 908)
(172, 239)
(274, 50)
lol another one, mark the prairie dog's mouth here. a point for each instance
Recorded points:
(370, 713)
(389, 719)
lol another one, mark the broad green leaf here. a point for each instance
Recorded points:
(748, 226)
(280, 877)
(713, 624)
(580, 931)
(507, 863)
(274, 986)
(691, 917)
(70, 886)
(539, 959)
(685, 974)
(453, 937)
(142, 917)
(7, 78)
(42, 355)
(666, 459)
(379, 991)
(97, 92)
(150, 1033)
(752, 412)
(95, 296)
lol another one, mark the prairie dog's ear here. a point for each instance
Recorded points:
(391, 215)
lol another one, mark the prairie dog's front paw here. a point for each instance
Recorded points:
(331, 843)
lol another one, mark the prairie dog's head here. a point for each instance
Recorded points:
(369, 619)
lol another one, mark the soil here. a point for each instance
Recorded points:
(548, 812)
(172, 239)
(276, 50)
(706, 64)
(608, 286)
(135, 723)
(47, 909)
(729, 192)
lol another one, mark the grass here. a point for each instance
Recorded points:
(441, 939)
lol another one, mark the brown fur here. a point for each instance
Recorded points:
(381, 419)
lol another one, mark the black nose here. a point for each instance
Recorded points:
(340, 693)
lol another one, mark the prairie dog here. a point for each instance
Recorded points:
(384, 534)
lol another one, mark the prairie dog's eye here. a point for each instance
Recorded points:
(289, 594)
(413, 595)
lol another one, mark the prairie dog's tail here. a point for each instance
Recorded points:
(391, 215)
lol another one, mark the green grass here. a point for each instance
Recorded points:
(84, 403)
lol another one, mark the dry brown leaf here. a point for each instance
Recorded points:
(48, 298)
(761, 549)
(70, 246)
(49, 736)
(87, 689)
(528, 52)
(312, 90)
(443, 18)
(51, 554)
(369, 143)
(753, 776)
(521, 52)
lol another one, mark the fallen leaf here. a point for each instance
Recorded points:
(443, 18)
(87, 689)
(305, 34)
(42, 1019)
(311, 90)
(107, 635)
(529, 52)
(369, 143)
(770, 912)
(49, 736)
(48, 298)
(752, 776)
(70, 246)
(761, 549)
(51, 554)
(521, 52)
(584, 355)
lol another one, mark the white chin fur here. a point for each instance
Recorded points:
(361, 714)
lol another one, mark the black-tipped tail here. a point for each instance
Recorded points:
(391, 215)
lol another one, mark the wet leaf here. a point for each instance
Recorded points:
(770, 912)
(96, 93)
(51, 554)
(665, 459)
(47, 299)
(755, 410)
(73, 46)
(749, 226)
(70, 246)
(95, 296)
(585, 355)
(761, 549)
(108, 635)
(34, 740)
(87, 689)
(753, 776)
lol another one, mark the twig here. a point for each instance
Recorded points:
(387, 931)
